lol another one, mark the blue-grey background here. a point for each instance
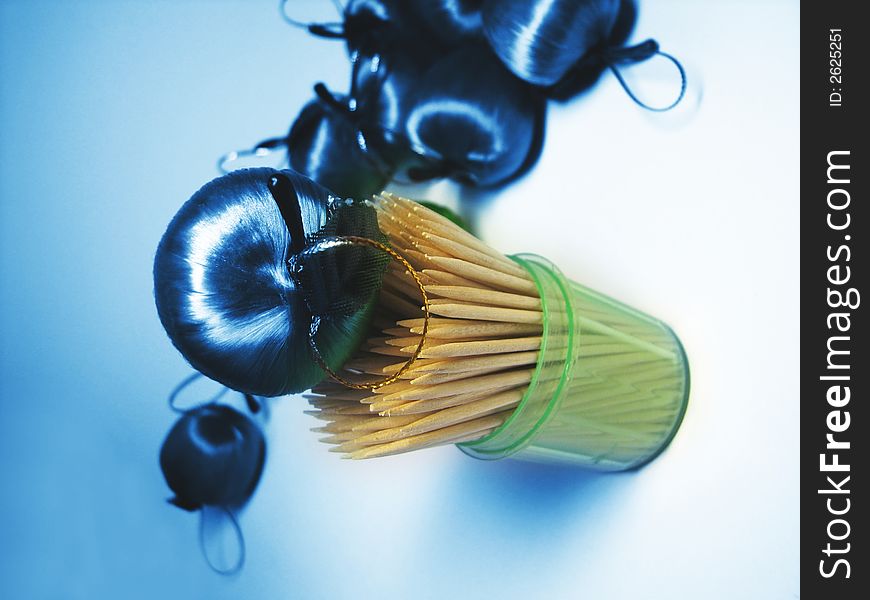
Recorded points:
(112, 113)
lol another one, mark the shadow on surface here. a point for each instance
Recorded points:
(536, 494)
(514, 515)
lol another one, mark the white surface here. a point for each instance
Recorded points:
(691, 217)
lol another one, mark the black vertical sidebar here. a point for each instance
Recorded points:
(835, 367)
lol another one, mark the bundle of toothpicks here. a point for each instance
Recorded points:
(479, 354)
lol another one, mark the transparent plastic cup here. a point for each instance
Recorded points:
(610, 386)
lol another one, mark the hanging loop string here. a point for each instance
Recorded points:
(173, 396)
(638, 53)
(333, 30)
(351, 240)
(261, 150)
(239, 536)
(326, 96)
(253, 405)
(631, 54)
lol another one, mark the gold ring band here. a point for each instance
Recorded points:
(351, 240)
